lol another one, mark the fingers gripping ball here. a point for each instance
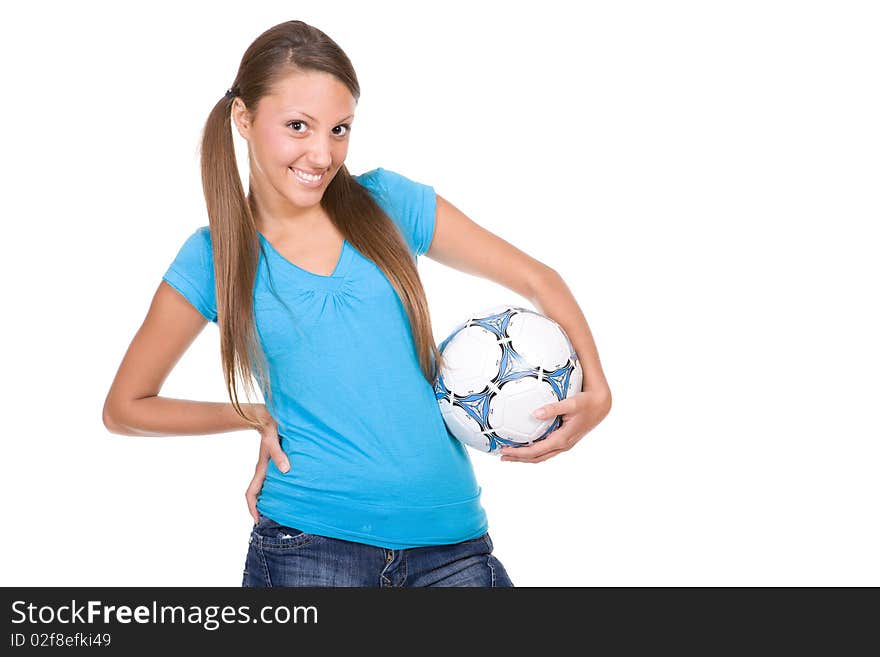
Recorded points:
(501, 365)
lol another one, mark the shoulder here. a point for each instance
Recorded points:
(371, 178)
(196, 251)
(374, 181)
(200, 236)
(204, 235)
(192, 272)
(388, 182)
(410, 203)
(396, 192)
(200, 240)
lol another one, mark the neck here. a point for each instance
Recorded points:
(267, 222)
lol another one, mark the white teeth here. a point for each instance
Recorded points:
(308, 177)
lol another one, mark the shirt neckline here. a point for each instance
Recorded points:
(337, 273)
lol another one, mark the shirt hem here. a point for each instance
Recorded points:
(453, 523)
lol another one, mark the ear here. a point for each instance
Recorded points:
(241, 117)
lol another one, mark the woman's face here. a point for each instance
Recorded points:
(301, 128)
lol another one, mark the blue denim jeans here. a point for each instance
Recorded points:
(285, 556)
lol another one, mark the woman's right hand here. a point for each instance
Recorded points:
(270, 447)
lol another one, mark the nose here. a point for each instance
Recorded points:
(320, 152)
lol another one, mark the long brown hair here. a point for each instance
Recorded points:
(279, 51)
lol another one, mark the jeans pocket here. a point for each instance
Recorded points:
(273, 535)
(482, 539)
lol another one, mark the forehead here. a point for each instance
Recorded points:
(319, 94)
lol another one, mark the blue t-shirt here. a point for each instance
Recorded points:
(371, 459)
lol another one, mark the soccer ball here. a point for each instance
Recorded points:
(500, 365)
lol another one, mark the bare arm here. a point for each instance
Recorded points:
(133, 406)
(461, 243)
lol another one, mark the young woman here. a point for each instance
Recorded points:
(311, 279)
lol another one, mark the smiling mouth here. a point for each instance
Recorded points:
(307, 177)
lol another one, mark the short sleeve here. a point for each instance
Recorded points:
(192, 273)
(412, 205)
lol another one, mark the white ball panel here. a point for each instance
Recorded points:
(463, 426)
(539, 340)
(510, 413)
(472, 357)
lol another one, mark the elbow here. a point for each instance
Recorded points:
(110, 421)
(544, 276)
(606, 403)
(601, 393)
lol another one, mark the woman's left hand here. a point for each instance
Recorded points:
(580, 414)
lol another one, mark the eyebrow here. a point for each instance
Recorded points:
(350, 116)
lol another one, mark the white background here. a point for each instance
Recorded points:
(704, 175)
